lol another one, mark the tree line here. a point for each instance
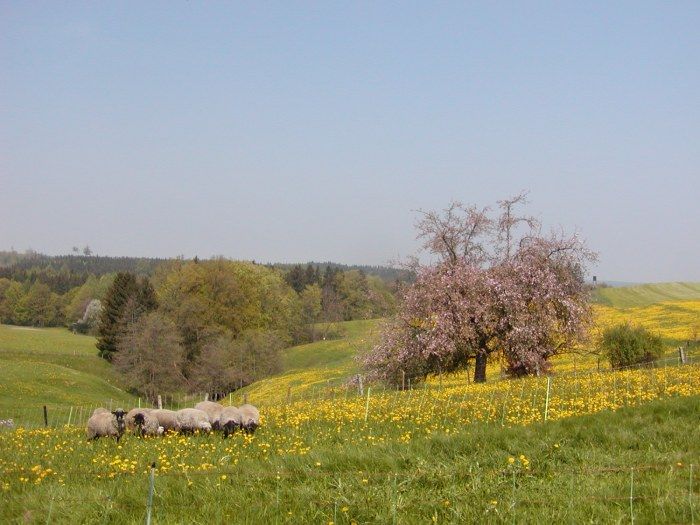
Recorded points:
(42, 290)
(218, 325)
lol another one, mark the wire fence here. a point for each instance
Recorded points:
(546, 396)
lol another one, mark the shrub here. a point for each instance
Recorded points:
(626, 345)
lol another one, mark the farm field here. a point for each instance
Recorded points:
(53, 367)
(427, 468)
(646, 294)
(569, 448)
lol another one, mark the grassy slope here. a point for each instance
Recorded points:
(580, 471)
(316, 365)
(52, 367)
(647, 294)
(70, 372)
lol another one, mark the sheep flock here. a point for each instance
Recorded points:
(206, 416)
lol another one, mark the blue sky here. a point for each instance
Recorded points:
(290, 132)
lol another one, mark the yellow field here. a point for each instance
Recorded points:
(676, 320)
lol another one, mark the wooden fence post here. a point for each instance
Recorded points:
(160, 402)
(46, 417)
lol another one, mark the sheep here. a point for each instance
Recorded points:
(146, 424)
(129, 419)
(105, 424)
(100, 410)
(192, 419)
(250, 418)
(131, 414)
(141, 422)
(213, 411)
(230, 420)
(166, 419)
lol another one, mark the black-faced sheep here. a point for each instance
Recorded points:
(250, 418)
(213, 411)
(191, 420)
(230, 420)
(106, 424)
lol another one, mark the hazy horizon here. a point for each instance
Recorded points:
(289, 133)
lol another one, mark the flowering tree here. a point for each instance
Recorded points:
(496, 284)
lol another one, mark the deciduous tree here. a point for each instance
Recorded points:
(495, 284)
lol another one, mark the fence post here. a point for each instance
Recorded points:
(206, 396)
(160, 402)
(632, 495)
(46, 417)
(546, 403)
(690, 495)
(70, 415)
(369, 388)
(149, 503)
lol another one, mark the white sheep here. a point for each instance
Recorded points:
(230, 420)
(213, 411)
(166, 419)
(250, 418)
(191, 420)
(105, 424)
(142, 423)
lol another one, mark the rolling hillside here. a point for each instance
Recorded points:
(670, 309)
(61, 369)
(53, 367)
(647, 294)
(316, 365)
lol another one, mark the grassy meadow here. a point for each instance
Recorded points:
(585, 445)
(53, 367)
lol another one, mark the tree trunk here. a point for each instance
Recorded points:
(480, 368)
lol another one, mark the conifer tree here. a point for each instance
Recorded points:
(118, 296)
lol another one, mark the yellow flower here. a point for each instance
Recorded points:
(511, 460)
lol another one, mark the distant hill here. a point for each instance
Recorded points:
(646, 294)
(386, 273)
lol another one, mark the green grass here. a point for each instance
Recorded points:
(580, 472)
(646, 294)
(53, 367)
(318, 364)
